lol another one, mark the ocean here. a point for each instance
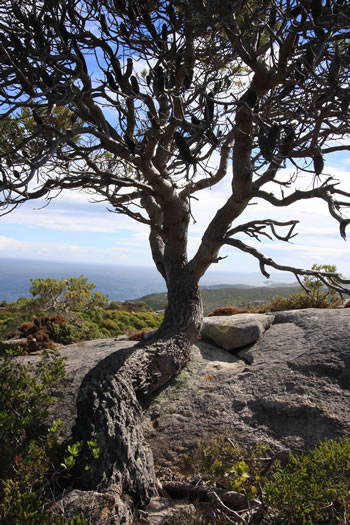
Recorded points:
(118, 282)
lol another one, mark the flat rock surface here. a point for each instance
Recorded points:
(294, 392)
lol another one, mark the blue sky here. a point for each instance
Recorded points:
(73, 229)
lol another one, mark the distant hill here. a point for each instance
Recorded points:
(219, 286)
(224, 295)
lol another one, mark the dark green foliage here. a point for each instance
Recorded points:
(29, 450)
(27, 391)
(313, 488)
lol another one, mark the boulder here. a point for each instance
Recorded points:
(293, 391)
(101, 508)
(235, 331)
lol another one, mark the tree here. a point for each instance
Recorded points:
(318, 293)
(66, 296)
(155, 91)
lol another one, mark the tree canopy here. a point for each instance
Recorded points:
(144, 104)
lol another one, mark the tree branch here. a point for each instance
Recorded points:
(265, 261)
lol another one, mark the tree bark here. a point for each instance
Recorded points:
(184, 312)
(113, 394)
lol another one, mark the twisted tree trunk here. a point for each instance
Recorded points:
(112, 396)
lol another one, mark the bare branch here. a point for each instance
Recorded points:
(264, 261)
(255, 228)
(324, 192)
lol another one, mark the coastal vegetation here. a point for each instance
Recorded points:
(311, 488)
(68, 311)
(31, 468)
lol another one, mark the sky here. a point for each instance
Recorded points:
(72, 228)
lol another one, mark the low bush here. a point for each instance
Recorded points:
(314, 488)
(76, 330)
(301, 300)
(227, 310)
(308, 489)
(224, 463)
(27, 391)
(67, 311)
(30, 454)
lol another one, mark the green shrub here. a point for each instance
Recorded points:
(301, 300)
(314, 488)
(318, 296)
(9, 322)
(115, 305)
(295, 301)
(27, 391)
(224, 463)
(318, 292)
(66, 296)
(118, 322)
(78, 329)
(30, 454)
(20, 506)
(309, 489)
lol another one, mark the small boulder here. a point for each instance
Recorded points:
(235, 331)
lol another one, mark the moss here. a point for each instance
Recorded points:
(176, 388)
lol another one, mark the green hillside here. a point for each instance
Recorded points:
(214, 298)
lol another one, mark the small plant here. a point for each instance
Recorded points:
(20, 506)
(318, 296)
(226, 464)
(27, 392)
(318, 292)
(309, 489)
(314, 488)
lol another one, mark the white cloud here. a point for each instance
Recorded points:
(127, 241)
(36, 249)
(127, 252)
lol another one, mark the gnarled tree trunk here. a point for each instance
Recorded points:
(112, 395)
